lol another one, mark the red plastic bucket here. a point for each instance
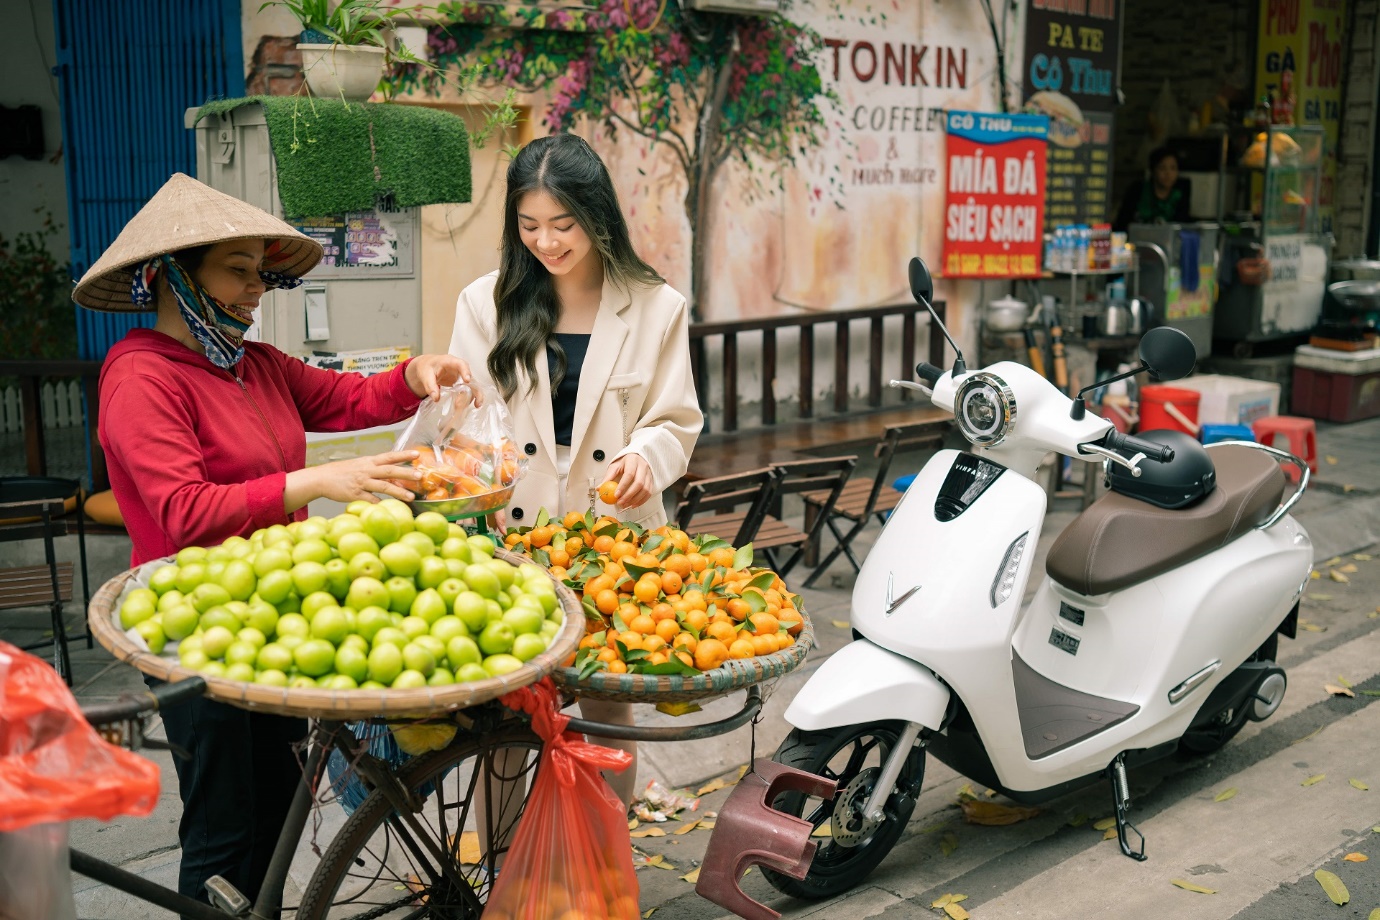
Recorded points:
(1169, 407)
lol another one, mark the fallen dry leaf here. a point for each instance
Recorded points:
(1373, 614)
(686, 828)
(648, 912)
(1357, 784)
(841, 624)
(955, 912)
(1331, 461)
(470, 854)
(1104, 824)
(1350, 568)
(1225, 794)
(1078, 820)
(1341, 679)
(1333, 561)
(1361, 557)
(648, 832)
(994, 814)
(692, 876)
(1312, 627)
(1315, 574)
(1332, 886)
(1356, 857)
(1313, 780)
(948, 844)
(1374, 915)
(1338, 577)
(633, 823)
(707, 825)
(713, 786)
(1189, 886)
(1305, 737)
(1338, 691)
(1109, 834)
(658, 861)
(938, 903)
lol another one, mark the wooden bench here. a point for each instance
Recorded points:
(32, 586)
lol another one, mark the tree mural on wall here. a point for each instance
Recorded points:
(710, 87)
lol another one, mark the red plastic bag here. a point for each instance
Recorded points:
(571, 857)
(53, 765)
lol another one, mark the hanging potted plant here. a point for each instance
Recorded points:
(345, 49)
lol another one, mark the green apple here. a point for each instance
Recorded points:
(309, 577)
(180, 622)
(189, 576)
(272, 559)
(441, 677)
(507, 574)
(456, 548)
(429, 606)
(352, 544)
(239, 671)
(493, 612)
(420, 542)
(275, 586)
(401, 559)
(241, 652)
(385, 663)
(358, 507)
(433, 645)
(221, 616)
(274, 657)
(290, 604)
(528, 646)
(140, 605)
(366, 565)
(339, 682)
(456, 568)
(498, 665)
(462, 650)
(340, 525)
(207, 595)
(409, 680)
(367, 592)
(448, 627)
(401, 593)
(432, 572)
(352, 662)
(302, 682)
(434, 526)
(530, 571)
(212, 669)
(354, 640)
(470, 673)
(418, 658)
(163, 579)
(338, 578)
(253, 636)
(191, 554)
(312, 550)
(390, 635)
(293, 624)
(472, 610)
(214, 570)
(449, 590)
(481, 544)
(314, 657)
(401, 511)
(291, 642)
(370, 620)
(372, 685)
(412, 627)
(271, 678)
(216, 640)
(496, 639)
(277, 535)
(455, 530)
(317, 600)
(505, 600)
(313, 528)
(524, 619)
(152, 633)
(382, 526)
(330, 624)
(483, 581)
(170, 599)
(219, 554)
(263, 616)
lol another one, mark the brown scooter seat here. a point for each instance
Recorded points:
(1120, 540)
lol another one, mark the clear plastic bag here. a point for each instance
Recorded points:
(466, 450)
(571, 856)
(35, 880)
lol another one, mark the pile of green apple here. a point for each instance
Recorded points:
(372, 598)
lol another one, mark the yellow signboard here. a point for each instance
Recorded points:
(1300, 66)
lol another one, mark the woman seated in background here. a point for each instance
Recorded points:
(1161, 198)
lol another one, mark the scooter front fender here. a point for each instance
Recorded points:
(863, 682)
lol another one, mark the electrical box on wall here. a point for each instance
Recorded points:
(365, 294)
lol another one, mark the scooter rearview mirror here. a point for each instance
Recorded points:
(922, 289)
(1168, 353)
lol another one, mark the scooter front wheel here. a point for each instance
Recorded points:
(853, 756)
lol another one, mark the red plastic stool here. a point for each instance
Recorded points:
(748, 830)
(1301, 433)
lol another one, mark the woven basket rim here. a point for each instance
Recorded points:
(339, 704)
(671, 688)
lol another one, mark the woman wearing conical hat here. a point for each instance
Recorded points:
(204, 435)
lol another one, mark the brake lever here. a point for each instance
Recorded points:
(1133, 464)
(910, 385)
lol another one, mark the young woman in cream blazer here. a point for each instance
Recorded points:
(589, 348)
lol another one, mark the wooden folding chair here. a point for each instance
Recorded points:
(736, 504)
(827, 478)
(862, 500)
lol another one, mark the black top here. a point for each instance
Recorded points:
(563, 397)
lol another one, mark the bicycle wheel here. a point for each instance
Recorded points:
(436, 861)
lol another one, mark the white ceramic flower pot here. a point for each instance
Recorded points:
(349, 71)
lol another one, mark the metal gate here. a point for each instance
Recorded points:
(128, 70)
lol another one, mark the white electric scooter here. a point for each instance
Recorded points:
(1153, 627)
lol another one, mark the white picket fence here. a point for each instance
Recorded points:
(61, 406)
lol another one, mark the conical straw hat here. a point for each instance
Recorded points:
(187, 213)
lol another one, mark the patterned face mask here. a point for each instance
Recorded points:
(217, 330)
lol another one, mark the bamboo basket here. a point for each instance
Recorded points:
(734, 674)
(337, 705)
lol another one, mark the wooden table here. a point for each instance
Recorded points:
(30, 374)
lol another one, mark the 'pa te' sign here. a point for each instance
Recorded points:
(995, 195)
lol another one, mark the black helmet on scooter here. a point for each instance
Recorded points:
(1187, 479)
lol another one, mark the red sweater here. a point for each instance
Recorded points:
(197, 454)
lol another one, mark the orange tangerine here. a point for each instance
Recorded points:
(572, 520)
(679, 564)
(653, 642)
(773, 596)
(642, 624)
(697, 562)
(710, 654)
(512, 538)
(784, 640)
(614, 570)
(668, 629)
(724, 632)
(741, 648)
(618, 667)
(697, 620)
(737, 608)
(606, 601)
(723, 556)
(588, 641)
(790, 620)
(687, 658)
(764, 624)
(670, 582)
(573, 545)
(559, 558)
(608, 492)
(627, 610)
(663, 611)
(647, 561)
(621, 550)
(658, 657)
(558, 572)
(598, 583)
(685, 641)
(695, 599)
(631, 639)
(648, 589)
(540, 536)
(608, 654)
(763, 645)
(603, 544)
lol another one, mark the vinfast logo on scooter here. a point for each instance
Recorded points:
(1063, 641)
(965, 482)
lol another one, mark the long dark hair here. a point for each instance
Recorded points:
(568, 169)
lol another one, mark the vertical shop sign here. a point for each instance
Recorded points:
(994, 195)
(1073, 55)
(1300, 62)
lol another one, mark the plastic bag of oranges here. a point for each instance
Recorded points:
(571, 857)
(465, 449)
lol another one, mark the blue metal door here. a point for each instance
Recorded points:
(128, 70)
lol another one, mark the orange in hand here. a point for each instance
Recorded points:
(608, 492)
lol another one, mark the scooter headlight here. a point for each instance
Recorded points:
(986, 409)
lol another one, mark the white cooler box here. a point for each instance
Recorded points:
(1232, 400)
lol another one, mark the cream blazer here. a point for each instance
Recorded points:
(636, 396)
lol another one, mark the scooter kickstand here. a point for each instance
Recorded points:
(1121, 796)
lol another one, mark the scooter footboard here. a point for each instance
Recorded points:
(862, 682)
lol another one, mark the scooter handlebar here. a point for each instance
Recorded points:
(928, 373)
(1152, 450)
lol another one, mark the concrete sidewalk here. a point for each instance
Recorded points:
(1341, 512)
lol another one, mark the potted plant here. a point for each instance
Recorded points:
(345, 49)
